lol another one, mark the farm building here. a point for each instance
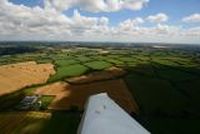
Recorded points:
(27, 102)
(103, 116)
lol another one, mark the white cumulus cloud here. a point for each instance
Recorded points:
(131, 23)
(21, 22)
(18, 22)
(96, 5)
(158, 18)
(194, 18)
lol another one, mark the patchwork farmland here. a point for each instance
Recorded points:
(63, 77)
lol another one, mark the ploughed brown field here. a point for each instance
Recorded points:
(67, 95)
(14, 77)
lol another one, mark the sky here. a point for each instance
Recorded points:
(165, 21)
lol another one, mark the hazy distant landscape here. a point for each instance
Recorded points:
(157, 84)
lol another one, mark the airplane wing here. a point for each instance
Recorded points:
(103, 116)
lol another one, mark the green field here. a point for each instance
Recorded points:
(168, 98)
(98, 65)
(46, 100)
(65, 62)
(148, 91)
(68, 71)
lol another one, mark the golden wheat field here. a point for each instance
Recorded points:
(17, 76)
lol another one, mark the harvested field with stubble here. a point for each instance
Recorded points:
(14, 77)
(68, 96)
(107, 74)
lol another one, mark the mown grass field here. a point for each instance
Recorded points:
(65, 62)
(68, 71)
(98, 65)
